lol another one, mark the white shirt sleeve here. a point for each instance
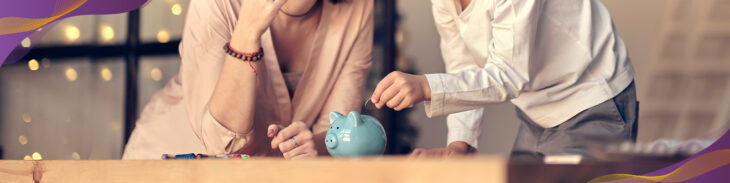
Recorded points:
(506, 72)
(463, 126)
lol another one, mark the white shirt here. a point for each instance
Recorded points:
(551, 58)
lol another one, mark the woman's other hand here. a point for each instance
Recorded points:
(302, 145)
(399, 90)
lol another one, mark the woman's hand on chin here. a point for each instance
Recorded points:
(253, 20)
(294, 141)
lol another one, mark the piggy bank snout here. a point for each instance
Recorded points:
(331, 141)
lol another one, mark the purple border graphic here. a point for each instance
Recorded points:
(717, 175)
(45, 8)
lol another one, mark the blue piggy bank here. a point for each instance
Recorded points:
(354, 135)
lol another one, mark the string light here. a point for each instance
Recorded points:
(72, 33)
(46, 63)
(106, 74)
(22, 140)
(163, 36)
(27, 157)
(25, 43)
(26, 117)
(176, 9)
(33, 64)
(71, 74)
(107, 33)
(37, 156)
(75, 156)
(116, 127)
(156, 74)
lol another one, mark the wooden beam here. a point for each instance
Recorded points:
(387, 169)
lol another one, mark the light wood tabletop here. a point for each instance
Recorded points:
(385, 169)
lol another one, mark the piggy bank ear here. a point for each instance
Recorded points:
(355, 117)
(335, 115)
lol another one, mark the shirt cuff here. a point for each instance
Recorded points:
(220, 140)
(464, 135)
(435, 107)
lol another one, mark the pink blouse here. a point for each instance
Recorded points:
(176, 119)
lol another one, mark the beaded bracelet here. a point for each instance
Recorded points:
(248, 57)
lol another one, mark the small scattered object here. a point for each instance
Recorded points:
(369, 105)
(204, 156)
(185, 156)
(354, 135)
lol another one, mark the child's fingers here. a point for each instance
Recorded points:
(416, 153)
(396, 100)
(389, 93)
(380, 88)
(406, 103)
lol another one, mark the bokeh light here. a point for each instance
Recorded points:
(156, 74)
(37, 156)
(71, 74)
(107, 33)
(106, 74)
(72, 33)
(33, 64)
(176, 9)
(46, 63)
(26, 117)
(22, 139)
(163, 36)
(25, 43)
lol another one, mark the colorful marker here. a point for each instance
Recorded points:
(204, 156)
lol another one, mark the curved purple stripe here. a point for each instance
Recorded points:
(44, 8)
(719, 174)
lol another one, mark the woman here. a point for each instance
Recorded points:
(316, 56)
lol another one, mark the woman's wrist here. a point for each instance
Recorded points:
(425, 86)
(245, 42)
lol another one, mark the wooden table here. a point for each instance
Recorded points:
(387, 169)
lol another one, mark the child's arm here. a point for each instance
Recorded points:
(504, 76)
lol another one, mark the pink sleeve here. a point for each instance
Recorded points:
(208, 27)
(347, 93)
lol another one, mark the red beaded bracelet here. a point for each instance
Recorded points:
(249, 57)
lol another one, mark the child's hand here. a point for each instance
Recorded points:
(301, 147)
(420, 153)
(457, 148)
(399, 90)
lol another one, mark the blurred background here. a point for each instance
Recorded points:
(78, 92)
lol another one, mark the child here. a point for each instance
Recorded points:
(561, 62)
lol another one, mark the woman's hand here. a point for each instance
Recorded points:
(253, 19)
(399, 90)
(302, 145)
